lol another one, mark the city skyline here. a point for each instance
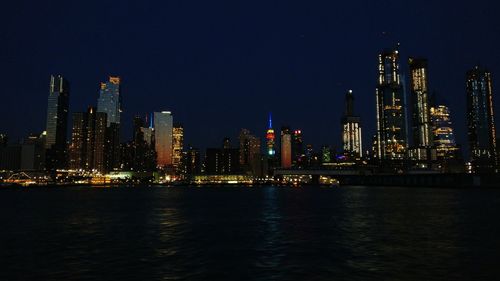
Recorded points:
(288, 58)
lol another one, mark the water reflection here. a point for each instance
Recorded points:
(270, 249)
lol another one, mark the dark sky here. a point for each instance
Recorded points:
(221, 66)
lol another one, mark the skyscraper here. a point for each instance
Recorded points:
(88, 141)
(163, 125)
(57, 123)
(178, 146)
(297, 148)
(391, 122)
(422, 151)
(109, 102)
(443, 137)
(286, 148)
(249, 151)
(270, 137)
(481, 120)
(420, 103)
(351, 135)
(78, 145)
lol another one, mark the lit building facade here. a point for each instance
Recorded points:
(57, 123)
(163, 125)
(109, 102)
(191, 162)
(249, 151)
(442, 133)
(270, 138)
(481, 120)
(351, 134)
(422, 151)
(177, 146)
(390, 108)
(87, 150)
(297, 148)
(222, 161)
(286, 148)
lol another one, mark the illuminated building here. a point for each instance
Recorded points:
(351, 124)
(480, 120)
(443, 137)
(163, 125)
(191, 162)
(422, 151)
(177, 146)
(109, 102)
(270, 137)
(391, 122)
(222, 161)
(286, 148)
(249, 151)
(88, 141)
(297, 148)
(57, 123)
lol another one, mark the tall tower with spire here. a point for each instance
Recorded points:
(391, 119)
(270, 137)
(351, 129)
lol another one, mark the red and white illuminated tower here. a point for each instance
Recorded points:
(270, 137)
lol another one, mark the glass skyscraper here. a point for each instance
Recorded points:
(57, 122)
(391, 121)
(163, 125)
(109, 100)
(481, 120)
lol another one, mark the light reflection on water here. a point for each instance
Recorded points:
(268, 233)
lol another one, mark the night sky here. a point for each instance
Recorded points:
(222, 66)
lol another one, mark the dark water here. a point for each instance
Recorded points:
(352, 233)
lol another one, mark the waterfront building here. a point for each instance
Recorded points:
(297, 148)
(481, 120)
(109, 102)
(33, 152)
(191, 161)
(286, 148)
(422, 151)
(351, 134)
(249, 152)
(177, 146)
(87, 151)
(390, 108)
(57, 123)
(222, 161)
(442, 133)
(163, 126)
